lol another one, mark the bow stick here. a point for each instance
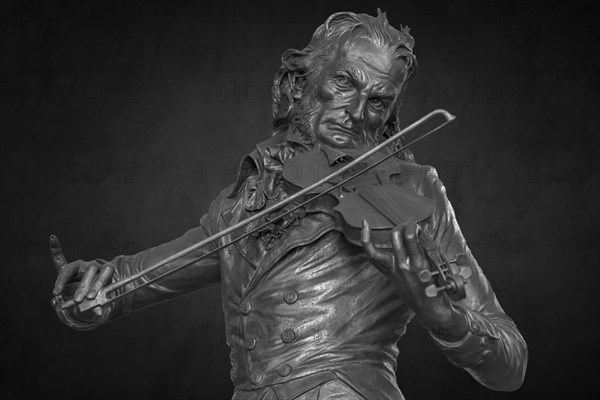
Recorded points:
(102, 297)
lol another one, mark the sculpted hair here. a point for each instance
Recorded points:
(298, 65)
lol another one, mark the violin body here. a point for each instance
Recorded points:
(371, 196)
(385, 205)
(366, 203)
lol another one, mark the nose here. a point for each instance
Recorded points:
(356, 109)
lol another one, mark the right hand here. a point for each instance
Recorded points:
(79, 279)
(90, 277)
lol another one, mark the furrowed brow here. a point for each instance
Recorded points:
(352, 71)
(386, 95)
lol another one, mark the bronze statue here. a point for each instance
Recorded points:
(313, 311)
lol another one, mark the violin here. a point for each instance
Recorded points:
(369, 193)
(362, 192)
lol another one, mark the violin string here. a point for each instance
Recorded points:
(261, 226)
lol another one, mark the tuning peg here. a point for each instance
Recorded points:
(455, 288)
(465, 272)
(460, 259)
(426, 275)
(432, 290)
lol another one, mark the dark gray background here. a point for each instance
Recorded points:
(121, 121)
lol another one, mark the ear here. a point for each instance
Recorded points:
(293, 72)
(288, 94)
(296, 84)
(289, 84)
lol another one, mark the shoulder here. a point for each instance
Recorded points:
(222, 202)
(253, 163)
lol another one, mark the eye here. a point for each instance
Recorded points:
(377, 103)
(342, 79)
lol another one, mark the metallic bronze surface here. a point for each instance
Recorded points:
(309, 314)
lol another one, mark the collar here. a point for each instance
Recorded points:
(292, 135)
(336, 155)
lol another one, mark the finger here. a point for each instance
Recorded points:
(412, 243)
(98, 311)
(105, 274)
(65, 274)
(399, 253)
(57, 255)
(374, 254)
(86, 281)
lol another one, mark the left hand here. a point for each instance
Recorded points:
(402, 266)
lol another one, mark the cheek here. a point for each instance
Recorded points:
(376, 120)
(325, 93)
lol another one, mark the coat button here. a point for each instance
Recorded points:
(250, 342)
(288, 336)
(245, 307)
(487, 354)
(290, 296)
(256, 378)
(284, 370)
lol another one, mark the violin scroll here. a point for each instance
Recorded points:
(451, 283)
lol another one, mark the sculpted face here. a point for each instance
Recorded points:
(355, 94)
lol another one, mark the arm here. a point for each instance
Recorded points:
(99, 273)
(475, 333)
(492, 349)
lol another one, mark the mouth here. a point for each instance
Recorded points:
(342, 129)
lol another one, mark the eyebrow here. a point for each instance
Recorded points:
(352, 71)
(385, 94)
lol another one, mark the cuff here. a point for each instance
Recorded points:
(476, 347)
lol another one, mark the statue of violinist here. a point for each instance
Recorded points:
(311, 313)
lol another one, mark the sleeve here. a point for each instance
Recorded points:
(198, 275)
(493, 351)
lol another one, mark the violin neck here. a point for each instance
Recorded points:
(433, 252)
